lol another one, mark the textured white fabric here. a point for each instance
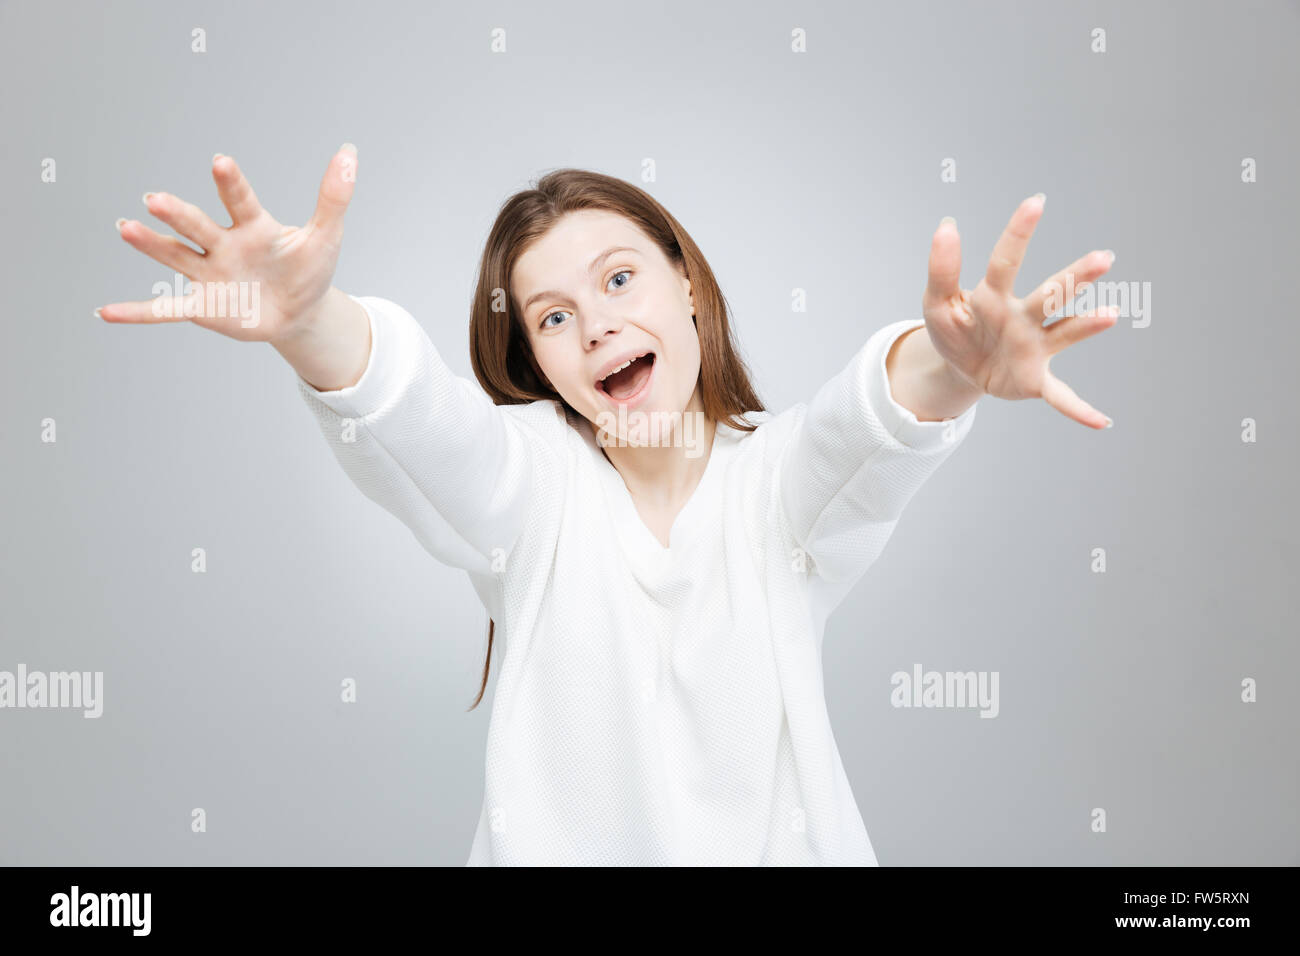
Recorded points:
(653, 705)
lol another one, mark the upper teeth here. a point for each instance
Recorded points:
(619, 369)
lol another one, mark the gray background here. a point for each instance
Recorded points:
(818, 171)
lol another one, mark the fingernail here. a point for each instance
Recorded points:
(948, 219)
(97, 315)
(1109, 423)
(349, 148)
(217, 156)
(1041, 197)
(1111, 253)
(146, 198)
(119, 224)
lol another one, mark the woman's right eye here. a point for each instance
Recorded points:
(548, 315)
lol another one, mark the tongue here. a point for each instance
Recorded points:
(625, 383)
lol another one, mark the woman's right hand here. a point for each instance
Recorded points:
(281, 274)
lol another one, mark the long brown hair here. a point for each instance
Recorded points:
(499, 351)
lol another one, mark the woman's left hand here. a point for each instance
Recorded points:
(997, 342)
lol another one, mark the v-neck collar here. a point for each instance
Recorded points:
(632, 529)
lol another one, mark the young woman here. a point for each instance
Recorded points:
(661, 598)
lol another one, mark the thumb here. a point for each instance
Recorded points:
(945, 263)
(336, 191)
(1063, 398)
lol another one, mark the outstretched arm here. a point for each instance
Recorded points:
(423, 443)
(871, 436)
(429, 446)
(855, 457)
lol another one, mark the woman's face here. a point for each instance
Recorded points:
(587, 308)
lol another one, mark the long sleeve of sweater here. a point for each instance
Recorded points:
(428, 446)
(855, 459)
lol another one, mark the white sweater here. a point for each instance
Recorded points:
(653, 705)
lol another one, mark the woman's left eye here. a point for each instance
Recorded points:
(625, 272)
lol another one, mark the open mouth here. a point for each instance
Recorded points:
(628, 382)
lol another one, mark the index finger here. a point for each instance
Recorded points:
(165, 308)
(1009, 252)
(236, 195)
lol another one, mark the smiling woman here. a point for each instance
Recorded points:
(641, 254)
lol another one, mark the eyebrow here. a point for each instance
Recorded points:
(595, 264)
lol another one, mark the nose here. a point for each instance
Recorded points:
(600, 322)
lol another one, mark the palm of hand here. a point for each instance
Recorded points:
(998, 342)
(283, 271)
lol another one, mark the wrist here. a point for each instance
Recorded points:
(958, 384)
(328, 345)
(924, 382)
(309, 323)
